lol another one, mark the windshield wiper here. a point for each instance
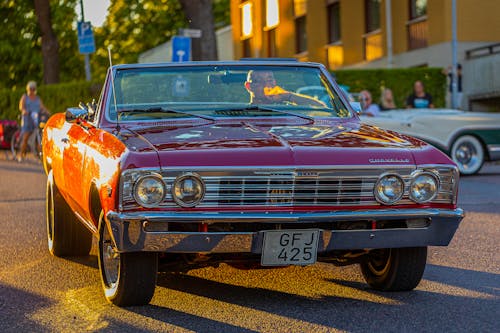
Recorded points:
(165, 110)
(265, 109)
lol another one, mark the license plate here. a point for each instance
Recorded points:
(289, 247)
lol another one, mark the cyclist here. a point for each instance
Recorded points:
(31, 107)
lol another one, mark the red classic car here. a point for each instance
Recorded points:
(201, 163)
(7, 130)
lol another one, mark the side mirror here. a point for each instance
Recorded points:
(356, 107)
(76, 114)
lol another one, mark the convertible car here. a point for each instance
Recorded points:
(469, 138)
(186, 165)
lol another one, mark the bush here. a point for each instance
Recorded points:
(56, 97)
(399, 80)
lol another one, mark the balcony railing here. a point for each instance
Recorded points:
(417, 33)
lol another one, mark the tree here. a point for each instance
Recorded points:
(200, 16)
(21, 42)
(50, 45)
(134, 26)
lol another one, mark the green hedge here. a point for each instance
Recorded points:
(399, 80)
(56, 97)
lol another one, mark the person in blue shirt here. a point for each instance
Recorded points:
(419, 99)
(368, 108)
(31, 108)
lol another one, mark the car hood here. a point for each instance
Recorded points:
(252, 143)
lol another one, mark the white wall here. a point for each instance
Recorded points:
(163, 52)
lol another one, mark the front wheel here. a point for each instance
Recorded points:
(127, 278)
(66, 235)
(468, 153)
(394, 269)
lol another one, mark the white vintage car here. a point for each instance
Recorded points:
(469, 138)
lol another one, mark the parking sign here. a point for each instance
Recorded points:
(86, 43)
(181, 49)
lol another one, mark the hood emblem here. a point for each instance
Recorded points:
(388, 160)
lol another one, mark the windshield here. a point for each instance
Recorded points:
(223, 91)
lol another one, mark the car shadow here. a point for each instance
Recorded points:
(418, 310)
(16, 305)
(186, 320)
(89, 261)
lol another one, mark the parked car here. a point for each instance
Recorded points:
(469, 138)
(7, 130)
(200, 163)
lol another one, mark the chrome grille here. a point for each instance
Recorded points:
(245, 187)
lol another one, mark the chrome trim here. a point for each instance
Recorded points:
(382, 176)
(494, 152)
(181, 177)
(420, 173)
(289, 186)
(150, 175)
(130, 235)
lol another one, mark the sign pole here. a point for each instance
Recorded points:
(86, 56)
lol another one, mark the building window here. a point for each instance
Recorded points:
(417, 27)
(272, 21)
(372, 15)
(418, 8)
(247, 48)
(272, 14)
(271, 43)
(333, 12)
(372, 39)
(335, 55)
(246, 20)
(300, 11)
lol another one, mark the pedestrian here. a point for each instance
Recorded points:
(458, 97)
(368, 108)
(387, 100)
(31, 107)
(419, 99)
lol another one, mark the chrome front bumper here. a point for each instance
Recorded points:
(130, 234)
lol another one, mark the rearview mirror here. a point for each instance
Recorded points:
(76, 114)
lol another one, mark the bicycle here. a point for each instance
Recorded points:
(34, 145)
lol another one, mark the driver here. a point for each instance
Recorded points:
(261, 85)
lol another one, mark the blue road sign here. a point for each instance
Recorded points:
(86, 42)
(181, 49)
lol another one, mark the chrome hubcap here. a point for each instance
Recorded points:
(111, 260)
(466, 154)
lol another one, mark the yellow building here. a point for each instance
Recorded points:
(353, 33)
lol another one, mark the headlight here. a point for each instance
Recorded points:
(188, 190)
(389, 189)
(424, 187)
(149, 190)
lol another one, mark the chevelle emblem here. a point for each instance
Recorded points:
(280, 196)
(388, 160)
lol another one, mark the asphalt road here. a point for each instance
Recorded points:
(460, 290)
